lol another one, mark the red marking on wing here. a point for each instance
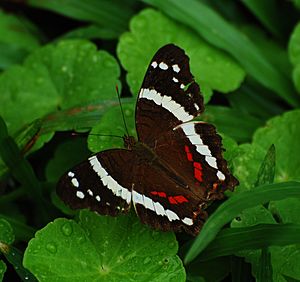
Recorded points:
(197, 166)
(159, 194)
(180, 199)
(172, 200)
(177, 199)
(188, 153)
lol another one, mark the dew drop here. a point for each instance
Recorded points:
(67, 229)
(51, 248)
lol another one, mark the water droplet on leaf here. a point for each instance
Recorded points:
(67, 229)
(51, 248)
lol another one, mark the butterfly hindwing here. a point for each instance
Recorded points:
(99, 183)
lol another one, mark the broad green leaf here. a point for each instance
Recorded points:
(112, 123)
(114, 15)
(236, 204)
(103, 248)
(223, 118)
(150, 30)
(222, 34)
(6, 232)
(16, 40)
(65, 158)
(60, 75)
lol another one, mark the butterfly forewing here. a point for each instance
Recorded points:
(169, 95)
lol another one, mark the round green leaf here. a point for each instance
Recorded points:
(60, 75)
(103, 248)
(150, 30)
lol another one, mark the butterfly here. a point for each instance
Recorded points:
(172, 170)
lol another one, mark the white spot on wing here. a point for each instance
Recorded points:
(154, 64)
(220, 175)
(196, 106)
(175, 79)
(187, 221)
(71, 174)
(182, 85)
(75, 182)
(79, 194)
(90, 192)
(176, 68)
(98, 198)
(163, 66)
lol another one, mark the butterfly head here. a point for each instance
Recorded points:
(129, 142)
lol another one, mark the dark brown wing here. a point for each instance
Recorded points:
(164, 203)
(100, 183)
(169, 95)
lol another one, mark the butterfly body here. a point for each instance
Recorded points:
(172, 170)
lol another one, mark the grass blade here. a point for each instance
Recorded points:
(231, 240)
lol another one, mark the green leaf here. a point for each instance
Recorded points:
(220, 33)
(22, 231)
(268, 13)
(7, 235)
(92, 32)
(16, 40)
(294, 54)
(231, 240)
(60, 75)
(236, 204)
(15, 257)
(112, 123)
(2, 269)
(224, 117)
(103, 13)
(64, 157)
(103, 248)
(266, 171)
(265, 272)
(147, 34)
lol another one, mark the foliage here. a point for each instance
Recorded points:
(61, 77)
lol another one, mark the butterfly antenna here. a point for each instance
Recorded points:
(84, 134)
(123, 116)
